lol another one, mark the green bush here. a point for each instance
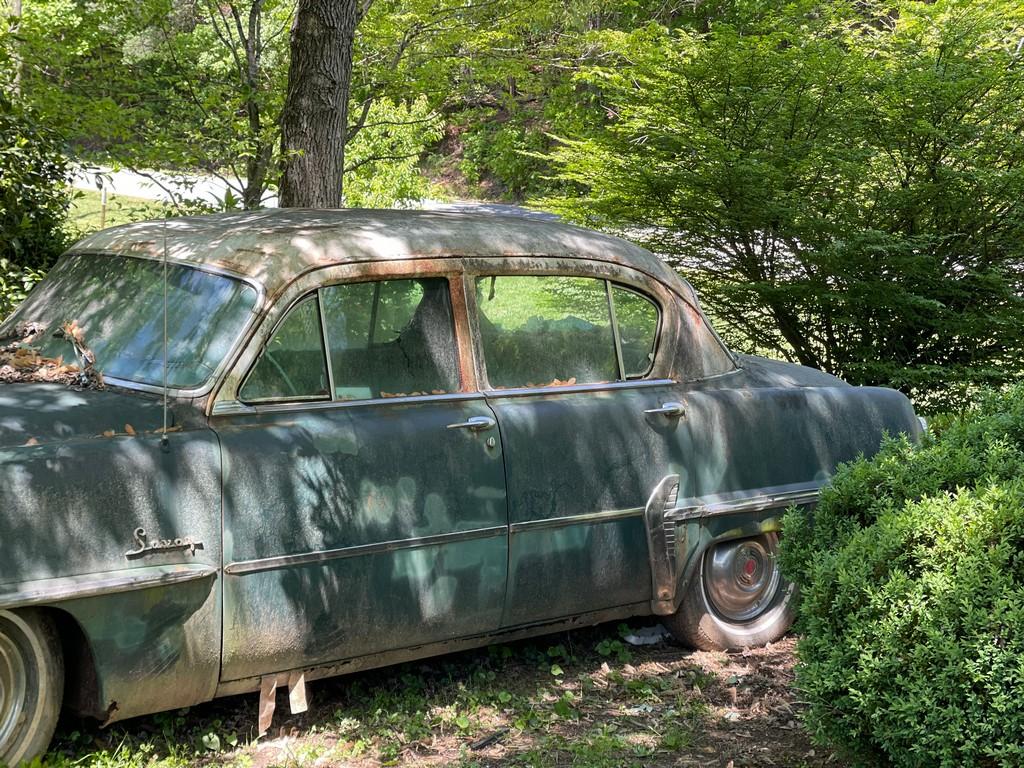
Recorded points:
(15, 283)
(34, 197)
(912, 576)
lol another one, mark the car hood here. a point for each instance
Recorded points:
(36, 413)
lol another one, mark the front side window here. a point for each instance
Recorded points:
(391, 338)
(292, 365)
(540, 331)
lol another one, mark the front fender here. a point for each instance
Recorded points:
(149, 611)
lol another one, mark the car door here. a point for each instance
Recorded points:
(364, 491)
(574, 369)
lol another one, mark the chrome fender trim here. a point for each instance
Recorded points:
(665, 518)
(57, 590)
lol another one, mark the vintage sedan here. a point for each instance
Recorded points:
(239, 452)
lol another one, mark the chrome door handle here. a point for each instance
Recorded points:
(668, 409)
(475, 423)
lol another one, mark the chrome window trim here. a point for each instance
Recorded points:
(616, 338)
(326, 340)
(234, 407)
(46, 591)
(237, 345)
(493, 394)
(242, 567)
(610, 284)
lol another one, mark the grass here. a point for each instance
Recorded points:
(86, 214)
(577, 699)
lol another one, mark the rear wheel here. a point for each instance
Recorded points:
(738, 599)
(31, 684)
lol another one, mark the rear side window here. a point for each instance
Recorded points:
(292, 365)
(549, 331)
(391, 338)
(545, 331)
(637, 319)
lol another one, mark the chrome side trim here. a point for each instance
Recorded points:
(678, 513)
(564, 522)
(46, 591)
(692, 509)
(687, 509)
(600, 387)
(313, 558)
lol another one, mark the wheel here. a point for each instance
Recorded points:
(738, 599)
(31, 684)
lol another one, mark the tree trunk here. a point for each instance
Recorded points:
(315, 114)
(261, 150)
(15, 25)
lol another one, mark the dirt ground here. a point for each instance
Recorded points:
(584, 698)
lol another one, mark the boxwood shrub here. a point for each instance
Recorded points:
(912, 612)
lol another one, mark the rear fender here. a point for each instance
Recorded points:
(679, 532)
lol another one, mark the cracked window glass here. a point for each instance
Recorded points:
(391, 338)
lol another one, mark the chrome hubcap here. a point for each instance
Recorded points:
(741, 577)
(13, 683)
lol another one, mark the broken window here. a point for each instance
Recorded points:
(391, 338)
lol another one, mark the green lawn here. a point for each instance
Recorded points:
(87, 213)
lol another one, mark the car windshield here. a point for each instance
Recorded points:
(118, 303)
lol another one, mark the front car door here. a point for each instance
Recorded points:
(364, 491)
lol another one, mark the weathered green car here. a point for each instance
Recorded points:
(390, 435)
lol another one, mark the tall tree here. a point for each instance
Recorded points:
(843, 187)
(314, 121)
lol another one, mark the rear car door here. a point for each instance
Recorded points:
(575, 373)
(364, 491)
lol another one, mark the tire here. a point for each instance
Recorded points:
(31, 684)
(737, 599)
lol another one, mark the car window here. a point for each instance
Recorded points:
(118, 303)
(391, 338)
(292, 365)
(637, 319)
(541, 330)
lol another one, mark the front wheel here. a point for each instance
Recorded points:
(31, 684)
(738, 599)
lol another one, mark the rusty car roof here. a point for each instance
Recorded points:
(274, 246)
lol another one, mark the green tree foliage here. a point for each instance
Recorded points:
(843, 183)
(912, 580)
(199, 86)
(381, 167)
